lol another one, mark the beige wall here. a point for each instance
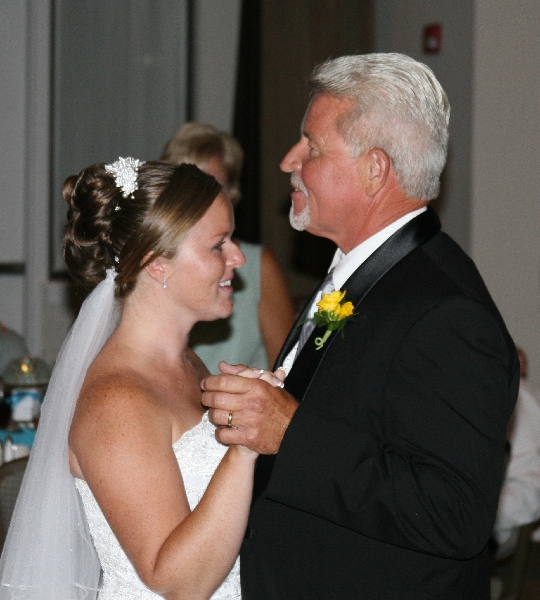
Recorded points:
(490, 67)
(505, 227)
(399, 28)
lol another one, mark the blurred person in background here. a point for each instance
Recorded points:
(263, 313)
(519, 501)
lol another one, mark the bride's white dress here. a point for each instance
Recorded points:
(198, 454)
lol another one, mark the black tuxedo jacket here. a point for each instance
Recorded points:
(387, 479)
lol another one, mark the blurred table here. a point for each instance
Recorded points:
(20, 437)
(21, 441)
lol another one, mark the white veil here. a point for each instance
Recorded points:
(48, 554)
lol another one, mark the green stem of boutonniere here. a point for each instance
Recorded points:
(333, 314)
(319, 341)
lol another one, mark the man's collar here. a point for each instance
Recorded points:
(346, 264)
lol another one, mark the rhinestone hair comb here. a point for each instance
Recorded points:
(125, 174)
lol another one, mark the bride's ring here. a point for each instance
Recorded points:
(229, 420)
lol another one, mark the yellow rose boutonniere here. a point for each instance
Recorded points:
(332, 314)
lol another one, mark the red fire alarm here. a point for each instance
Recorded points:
(432, 38)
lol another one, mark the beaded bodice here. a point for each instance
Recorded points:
(198, 454)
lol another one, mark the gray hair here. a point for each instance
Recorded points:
(399, 106)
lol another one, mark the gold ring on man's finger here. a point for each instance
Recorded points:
(229, 420)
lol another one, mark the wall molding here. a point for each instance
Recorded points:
(12, 268)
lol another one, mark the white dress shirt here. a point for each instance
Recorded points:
(345, 265)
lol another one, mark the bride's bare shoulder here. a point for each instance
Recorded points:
(116, 413)
(111, 393)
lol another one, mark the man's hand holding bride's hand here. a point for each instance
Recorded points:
(246, 409)
(276, 379)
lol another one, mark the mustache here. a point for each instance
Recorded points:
(296, 182)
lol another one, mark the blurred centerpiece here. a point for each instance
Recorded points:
(25, 380)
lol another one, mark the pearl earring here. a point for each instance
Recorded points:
(164, 283)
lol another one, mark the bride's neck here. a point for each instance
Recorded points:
(154, 332)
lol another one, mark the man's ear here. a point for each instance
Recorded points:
(378, 169)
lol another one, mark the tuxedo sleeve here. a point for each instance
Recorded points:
(425, 470)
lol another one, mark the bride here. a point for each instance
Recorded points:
(125, 461)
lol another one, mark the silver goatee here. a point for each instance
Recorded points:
(302, 219)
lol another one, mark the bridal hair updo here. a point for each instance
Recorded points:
(107, 231)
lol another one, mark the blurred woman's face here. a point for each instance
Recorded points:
(203, 268)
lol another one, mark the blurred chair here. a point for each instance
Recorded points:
(11, 475)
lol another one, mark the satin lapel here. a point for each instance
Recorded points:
(412, 235)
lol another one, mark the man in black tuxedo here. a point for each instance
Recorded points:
(383, 455)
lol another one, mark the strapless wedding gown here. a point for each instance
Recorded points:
(198, 454)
